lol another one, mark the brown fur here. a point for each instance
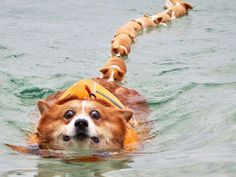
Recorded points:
(166, 16)
(147, 22)
(129, 97)
(118, 73)
(137, 27)
(179, 8)
(128, 29)
(111, 128)
(121, 44)
(131, 28)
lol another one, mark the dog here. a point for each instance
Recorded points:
(91, 114)
(121, 44)
(137, 27)
(147, 22)
(128, 29)
(114, 70)
(179, 8)
(165, 16)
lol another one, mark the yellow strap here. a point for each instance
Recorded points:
(80, 91)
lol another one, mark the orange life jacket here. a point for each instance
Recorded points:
(86, 88)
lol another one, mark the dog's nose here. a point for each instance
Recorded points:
(81, 123)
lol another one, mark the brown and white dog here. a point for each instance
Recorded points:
(147, 22)
(165, 16)
(128, 29)
(87, 124)
(137, 27)
(121, 44)
(179, 8)
(81, 124)
(114, 69)
(131, 28)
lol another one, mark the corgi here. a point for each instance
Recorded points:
(165, 16)
(132, 28)
(148, 22)
(67, 121)
(81, 123)
(137, 27)
(114, 70)
(179, 8)
(128, 29)
(121, 44)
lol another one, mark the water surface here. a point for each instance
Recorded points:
(186, 70)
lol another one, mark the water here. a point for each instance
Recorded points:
(186, 70)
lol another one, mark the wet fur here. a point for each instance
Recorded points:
(114, 69)
(111, 128)
(121, 44)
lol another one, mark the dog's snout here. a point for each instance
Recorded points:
(81, 123)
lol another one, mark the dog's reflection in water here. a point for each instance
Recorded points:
(81, 167)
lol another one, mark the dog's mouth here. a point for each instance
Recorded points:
(80, 137)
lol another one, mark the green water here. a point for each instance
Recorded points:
(187, 71)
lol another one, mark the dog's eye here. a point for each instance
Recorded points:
(95, 115)
(115, 79)
(69, 114)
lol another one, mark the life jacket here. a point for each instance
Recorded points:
(87, 88)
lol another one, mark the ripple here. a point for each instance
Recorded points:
(2, 47)
(174, 96)
(186, 88)
(18, 82)
(132, 10)
(215, 84)
(173, 70)
(16, 55)
(34, 93)
(22, 127)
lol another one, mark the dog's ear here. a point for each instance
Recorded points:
(114, 49)
(126, 51)
(158, 20)
(187, 6)
(104, 70)
(126, 113)
(169, 12)
(43, 106)
(120, 73)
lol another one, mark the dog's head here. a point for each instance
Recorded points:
(119, 50)
(112, 73)
(156, 19)
(81, 124)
